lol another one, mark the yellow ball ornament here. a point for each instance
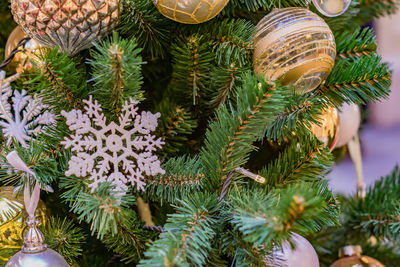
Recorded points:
(190, 11)
(328, 129)
(21, 60)
(12, 218)
(295, 47)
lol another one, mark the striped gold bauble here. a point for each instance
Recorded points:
(190, 11)
(294, 46)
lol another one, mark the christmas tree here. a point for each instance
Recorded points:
(189, 133)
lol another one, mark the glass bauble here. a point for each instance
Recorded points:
(22, 60)
(303, 255)
(328, 129)
(331, 8)
(70, 25)
(47, 258)
(350, 256)
(349, 122)
(294, 46)
(12, 218)
(190, 11)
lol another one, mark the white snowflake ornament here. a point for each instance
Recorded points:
(27, 116)
(119, 154)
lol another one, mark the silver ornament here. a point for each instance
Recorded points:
(34, 252)
(303, 255)
(331, 8)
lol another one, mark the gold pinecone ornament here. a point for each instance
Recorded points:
(72, 25)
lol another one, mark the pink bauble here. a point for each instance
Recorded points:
(303, 255)
(349, 122)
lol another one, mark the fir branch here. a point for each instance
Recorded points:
(300, 113)
(102, 209)
(229, 139)
(174, 126)
(65, 238)
(352, 45)
(37, 158)
(61, 81)
(131, 241)
(192, 60)
(267, 5)
(377, 214)
(116, 73)
(304, 161)
(370, 9)
(364, 80)
(232, 41)
(266, 219)
(141, 20)
(224, 81)
(188, 235)
(182, 176)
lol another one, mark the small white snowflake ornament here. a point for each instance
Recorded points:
(119, 154)
(27, 116)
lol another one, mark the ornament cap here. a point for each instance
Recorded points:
(33, 238)
(350, 250)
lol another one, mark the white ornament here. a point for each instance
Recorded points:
(303, 255)
(107, 152)
(25, 117)
(349, 122)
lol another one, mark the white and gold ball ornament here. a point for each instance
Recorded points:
(294, 46)
(22, 60)
(190, 11)
(71, 25)
(303, 255)
(327, 131)
(331, 8)
(349, 122)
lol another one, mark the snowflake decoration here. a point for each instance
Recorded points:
(26, 116)
(107, 152)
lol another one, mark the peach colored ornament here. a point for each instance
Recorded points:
(349, 122)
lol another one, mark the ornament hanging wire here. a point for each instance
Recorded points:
(22, 42)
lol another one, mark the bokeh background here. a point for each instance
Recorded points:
(380, 132)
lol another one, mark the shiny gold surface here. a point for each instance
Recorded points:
(22, 60)
(357, 261)
(12, 218)
(327, 131)
(190, 11)
(71, 25)
(295, 47)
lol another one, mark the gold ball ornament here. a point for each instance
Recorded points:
(328, 129)
(71, 25)
(331, 8)
(13, 216)
(294, 46)
(190, 11)
(350, 256)
(22, 60)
